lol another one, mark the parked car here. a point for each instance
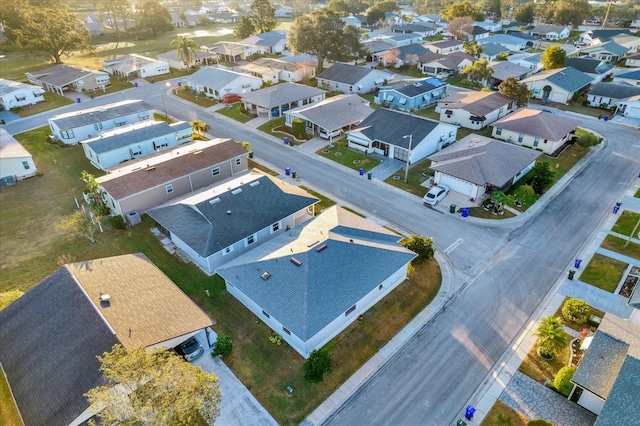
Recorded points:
(435, 194)
(275, 112)
(325, 134)
(442, 75)
(230, 98)
(190, 349)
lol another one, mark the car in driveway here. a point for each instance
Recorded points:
(230, 98)
(435, 194)
(190, 349)
(324, 134)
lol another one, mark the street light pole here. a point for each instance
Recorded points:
(164, 105)
(406, 170)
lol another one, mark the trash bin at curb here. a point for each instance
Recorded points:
(361, 171)
(293, 174)
(465, 212)
(369, 175)
(452, 208)
(287, 171)
(571, 274)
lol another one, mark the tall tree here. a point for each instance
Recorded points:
(386, 6)
(54, 31)
(525, 13)
(12, 15)
(153, 387)
(302, 7)
(95, 194)
(459, 27)
(244, 28)
(493, 8)
(422, 246)
(263, 16)
(429, 6)
(514, 90)
(479, 71)
(347, 7)
(81, 223)
(553, 57)
(154, 17)
(187, 49)
(472, 48)
(118, 12)
(571, 12)
(323, 35)
(461, 9)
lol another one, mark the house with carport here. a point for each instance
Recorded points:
(610, 93)
(558, 85)
(609, 52)
(474, 110)
(452, 63)
(219, 224)
(16, 163)
(60, 78)
(89, 307)
(401, 136)
(476, 165)
(201, 57)
(510, 42)
(536, 129)
(135, 66)
(73, 127)
(230, 51)
(14, 94)
(597, 69)
(312, 282)
(629, 107)
(347, 78)
(275, 100)
(139, 185)
(409, 95)
(272, 42)
(217, 82)
(274, 71)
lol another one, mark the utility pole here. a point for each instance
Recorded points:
(406, 171)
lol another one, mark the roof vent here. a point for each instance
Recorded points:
(265, 275)
(197, 152)
(105, 298)
(255, 183)
(295, 261)
(313, 244)
(215, 200)
(323, 247)
(236, 191)
(151, 168)
(228, 212)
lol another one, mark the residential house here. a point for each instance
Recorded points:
(217, 82)
(283, 11)
(609, 373)
(609, 94)
(135, 66)
(143, 184)
(275, 70)
(272, 42)
(476, 33)
(392, 19)
(312, 282)
(630, 76)
(631, 42)
(60, 78)
(96, 29)
(408, 55)
(505, 69)
(229, 51)
(477, 164)
(135, 141)
(334, 114)
(535, 129)
(528, 60)
(550, 32)
(226, 17)
(86, 308)
(558, 85)
(14, 94)
(515, 26)
(609, 52)
(629, 108)
(452, 63)
(474, 110)
(424, 29)
(378, 49)
(632, 60)
(513, 43)
(177, 21)
(16, 163)
(491, 51)
(409, 95)
(597, 69)
(352, 20)
(275, 100)
(219, 224)
(201, 57)
(444, 46)
(73, 127)
(400, 135)
(347, 78)
(429, 17)
(601, 36)
(489, 25)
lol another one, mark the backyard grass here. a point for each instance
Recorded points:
(51, 101)
(540, 370)
(500, 412)
(9, 414)
(626, 223)
(429, 112)
(235, 112)
(347, 157)
(617, 244)
(324, 200)
(603, 272)
(578, 108)
(484, 214)
(574, 325)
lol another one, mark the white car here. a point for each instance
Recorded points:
(435, 194)
(442, 75)
(324, 134)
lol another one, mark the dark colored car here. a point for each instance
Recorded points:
(190, 349)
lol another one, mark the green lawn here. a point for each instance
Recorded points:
(254, 165)
(429, 112)
(577, 107)
(51, 101)
(201, 100)
(347, 157)
(324, 200)
(626, 223)
(499, 414)
(484, 214)
(540, 370)
(9, 414)
(603, 272)
(235, 111)
(278, 129)
(618, 245)
(637, 194)
(418, 173)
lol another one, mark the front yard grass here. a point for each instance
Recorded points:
(418, 173)
(198, 99)
(626, 222)
(637, 194)
(540, 370)
(235, 111)
(616, 244)
(603, 272)
(271, 127)
(347, 157)
(51, 101)
(253, 165)
(484, 214)
(574, 325)
(578, 108)
(499, 414)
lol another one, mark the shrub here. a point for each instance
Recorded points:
(224, 345)
(117, 222)
(587, 140)
(8, 297)
(576, 310)
(542, 176)
(422, 246)
(297, 126)
(319, 362)
(562, 381)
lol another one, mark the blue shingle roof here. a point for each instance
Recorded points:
(570, 79)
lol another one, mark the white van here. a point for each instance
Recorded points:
(324, 134)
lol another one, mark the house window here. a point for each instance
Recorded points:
(275, 227)
(215, 172)
(286, 331)
(180, 137)
(67, 134)
(238, 161)
(520, 137)
(97, 126)
(536, 140)
(20, 98)
(351, 309)
(121, 123)
(498, 131)
(250, 240)
(227, 250)
(26, 166)
(501, 110)
(265, 314)
(402, 101)
(169, 188)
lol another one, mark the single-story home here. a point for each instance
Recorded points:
(489, 25)
(96, 29)
(513, 43)
(629, 108)
(135, 65)
(408, 95)
(476, 164)
(219, 224)
(275, 71)
(153, 181)
(62, 77)
(312, 282)
(347, 78)
(351, 20)
(611, 93)
(550, 32)
(73, 127)
(600, 36)
(16, 163)
(597, 69)
(609, 52)
(558, 85)
(505, 69)
(202, 57)
(400, 135)
(217, 82)
(424, 29)
(341, 112)
(490, 51)
(275, 100)
(608, 376)
(474, 110)
(535, 129)
(633, 60)
(230, 51)
(476, 33)
(134, 141)
(444, 46)
(533, 61)
(631, 42)
(630, 76)
(14, 94)
(52, 335)
(272, 42)
(225, 17)
(515, 26)
(452, 63)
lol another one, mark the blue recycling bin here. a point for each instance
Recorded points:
(135, 84)
(285, 140)
(78, 100)
(465, 212)
(616, 208)
(287, 171)
(179, 84)
(361, 171)
(577, 263)
(606, 118)
(469, 412)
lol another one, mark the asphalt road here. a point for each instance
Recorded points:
(503, 268)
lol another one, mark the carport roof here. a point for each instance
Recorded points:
(280, 94)
(334, 113)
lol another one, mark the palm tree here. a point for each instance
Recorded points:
(187, 49)
(551, 336)
(200, 127)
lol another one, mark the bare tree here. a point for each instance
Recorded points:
(459, 27)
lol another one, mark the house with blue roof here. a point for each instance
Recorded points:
(609, 52)
(221, 223)
(409, 95)
(558, 85)
(272, 41)
(629, 76)
(135, 141)
(490, 51)
(532, 61)
(312, 282)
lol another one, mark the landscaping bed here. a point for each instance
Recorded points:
(574, 325)
(540, 370)
(630, 282)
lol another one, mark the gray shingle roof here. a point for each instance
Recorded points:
(99, 114)
(270, 38)
(61, 75)
(281, 94)
(215, 78)
(546, 29)
(9, 86)
(610, 46)
(443, 44)
(493, 49)
(390, 126)
(50, 360)
(208, 228)
(615, 90)
(308, 297)
(504, 69)
(621, 407)
(589, 65)
(605, 35)
(483, 160)
(477, 103)
(335, 112)
(412, 49)
(345, 73)
(538, 123)
(173, 55)
(129, 63)
(412, 88)
(127, 135)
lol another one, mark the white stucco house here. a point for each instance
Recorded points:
(312, 282)
(217, 82)
(135, 65)
(610, 93)
(550, 32)
(273, 42)
(14, 94)
(558, 85)
(633, 60)
(629, 108)
(352, 79)
(16, 163)
(60, 78)
(201, 57)
(474, 110)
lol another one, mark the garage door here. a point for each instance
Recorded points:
(558, 97)
(457, 185)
